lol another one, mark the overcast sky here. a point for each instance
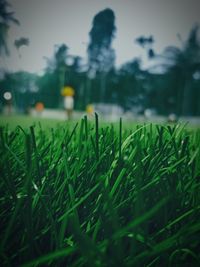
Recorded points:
(50, 22)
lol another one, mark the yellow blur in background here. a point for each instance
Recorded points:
(67, 91)
(90, 109)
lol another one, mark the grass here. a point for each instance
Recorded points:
(90, 195)
(26, 121)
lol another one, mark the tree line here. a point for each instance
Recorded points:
(174, 90)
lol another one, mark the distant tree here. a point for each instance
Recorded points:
(59, 58)
(53, 80)
(6, 18)
(61, 55)
(49, 90)
(143, 41)
(101, 55)
(146, 43)
(23, 87)
(78, 80)
(62, 69)
(182, 64)
(76, 65)
(21, 42)
(130, 90)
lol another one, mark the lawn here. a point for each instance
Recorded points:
(90, 193)
(27, 121)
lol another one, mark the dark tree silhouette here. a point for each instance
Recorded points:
(21, 42)
(6, 18)
(101, 55)
(183, 63)
(53, 80)
(129, 84)
(146, 43)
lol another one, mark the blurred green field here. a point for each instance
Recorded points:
(26, 121)
(99, 194)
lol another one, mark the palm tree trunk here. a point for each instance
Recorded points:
(102, 87)
(186, 104)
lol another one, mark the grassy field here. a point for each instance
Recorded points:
(95, 194)
(26, 121)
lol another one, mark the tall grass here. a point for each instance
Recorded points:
(89, 195)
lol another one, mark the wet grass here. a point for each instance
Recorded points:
(87, 194)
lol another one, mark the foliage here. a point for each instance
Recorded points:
(6, 17)
(23, 41)
(174, 90)
(23, 87)
(182, 64)
(53, 80)
(101, 55)
(130, 87)
(146, 42)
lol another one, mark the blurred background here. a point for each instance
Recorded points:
(137, 59)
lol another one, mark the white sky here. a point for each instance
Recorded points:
(50, 22)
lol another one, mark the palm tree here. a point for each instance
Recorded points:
(6, 17)
(146, 43)
(101, 55)
(182, 64)
(21, 42)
